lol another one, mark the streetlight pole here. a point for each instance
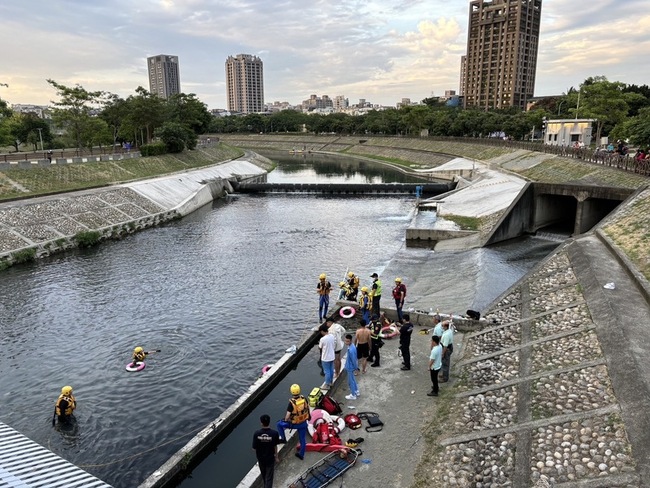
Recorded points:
(40, 136)
(559, 107)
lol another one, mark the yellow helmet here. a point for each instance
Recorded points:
(342, 284)
(398, 280)
(322, 276)
(295, 389)
(364, 289)
(138, 350)
(350, 274)
(66, 390)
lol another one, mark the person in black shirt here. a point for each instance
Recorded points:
(405, 332)
(265, 445)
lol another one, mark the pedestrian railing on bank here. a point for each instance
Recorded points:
(55, 154)
(614, 160)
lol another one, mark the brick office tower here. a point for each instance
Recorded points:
(164, 76)
(498, 70)
(245, 83)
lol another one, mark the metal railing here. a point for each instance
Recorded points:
(64, 153)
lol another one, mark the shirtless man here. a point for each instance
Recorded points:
(362, 341)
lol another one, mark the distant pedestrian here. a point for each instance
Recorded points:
(405, 332)
(353, 284)
(49, 155)
(362, 342)
(375, 341)
(351, 368)
(265, 445)
(323, 288)
(296, 417)
(365, 305)
(327, 345)
(375, 293)
(435, 364)
(399, 294)
(447, 343)
(65, 406)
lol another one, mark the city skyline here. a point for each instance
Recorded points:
(380, 51)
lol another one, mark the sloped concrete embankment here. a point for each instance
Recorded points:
(42, 226)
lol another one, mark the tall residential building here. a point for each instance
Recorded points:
(502, 41)
(245, 83)
(164, 76)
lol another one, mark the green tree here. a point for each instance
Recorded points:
(24, 128)
(73, 111)
(176, 137)
(635, 129)
(115, 114)
(145, 113)
(189, 111)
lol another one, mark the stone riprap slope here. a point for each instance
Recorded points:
(537, 404)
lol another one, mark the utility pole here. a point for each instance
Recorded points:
(40, 136)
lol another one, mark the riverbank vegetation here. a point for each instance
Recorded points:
(22, 183)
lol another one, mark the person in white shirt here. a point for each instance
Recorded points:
(338, 331)
(327, 345)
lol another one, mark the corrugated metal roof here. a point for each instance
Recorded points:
(26, 464)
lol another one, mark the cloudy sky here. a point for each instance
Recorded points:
(379, 50)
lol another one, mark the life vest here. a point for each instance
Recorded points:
(365, 302)
(72, 403)
(375, 330)
(354, 282)
(397, 291)
(300, 412)
(139, 356)
(324, 287)
(376, 292)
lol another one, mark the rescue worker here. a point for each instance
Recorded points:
(375, 341)
(344, 291)
(365, 305)
(139, 355)
(353, 283)
(65, 406)
(323, 289)
(399, 294)
(375, 293)
(296, 418)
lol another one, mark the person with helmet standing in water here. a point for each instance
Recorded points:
(139, 355)
(323, 289)
(375, 293)
(365, 305)
(296, 418)
(65, 406)
(399, 294)
(353, 284)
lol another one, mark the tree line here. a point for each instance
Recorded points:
(82, 118)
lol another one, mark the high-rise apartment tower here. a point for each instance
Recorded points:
(502, 40)
(164, 77)
(245, 83)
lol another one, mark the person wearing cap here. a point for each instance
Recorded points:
(296, 417)
(399, 294)
(353, 284)
(265, 445)
(323, 289)
(375, 293)
(375, 341)
(365, 305)
(65, 406)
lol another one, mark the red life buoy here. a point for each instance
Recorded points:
(347, 312)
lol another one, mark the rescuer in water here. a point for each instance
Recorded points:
(65, 406)
(296, 418)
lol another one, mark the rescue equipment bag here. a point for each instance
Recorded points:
(330, 405)
(315, 397)
(374, 423)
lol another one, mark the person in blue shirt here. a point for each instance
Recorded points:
(352, 368)
(435, 364)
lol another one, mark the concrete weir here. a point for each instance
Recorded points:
(429, 189)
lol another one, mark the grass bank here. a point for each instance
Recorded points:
(17, 183)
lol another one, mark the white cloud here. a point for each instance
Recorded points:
(373, 49)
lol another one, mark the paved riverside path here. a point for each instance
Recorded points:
(553, 390)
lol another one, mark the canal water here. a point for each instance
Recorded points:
(221, 293)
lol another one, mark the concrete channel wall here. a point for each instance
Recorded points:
(47, 225)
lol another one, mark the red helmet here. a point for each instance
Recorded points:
(352, 421)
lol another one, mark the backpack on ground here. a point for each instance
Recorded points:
(374, 423)
(330, 405)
